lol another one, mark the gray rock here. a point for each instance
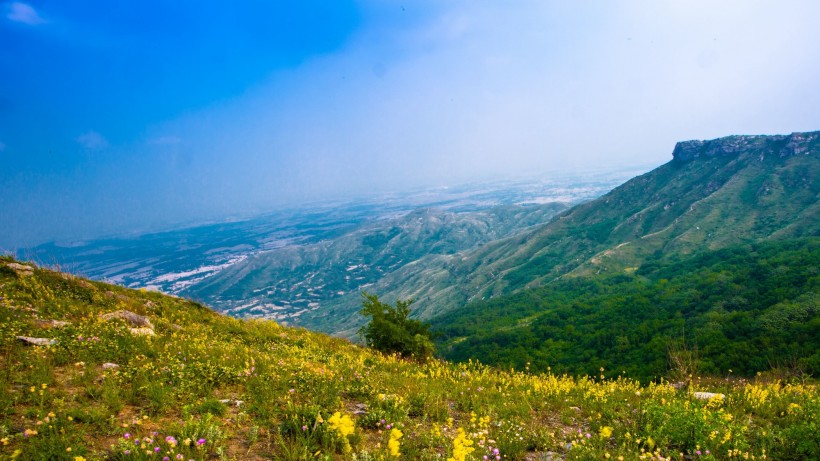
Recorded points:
(110, 366)
(236, 403)
(135, 320)
(37, 341)
(52, 323)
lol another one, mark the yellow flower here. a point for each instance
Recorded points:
(79, 458)
(341, 424)
(462, 446)
(606, 432)
(393, 444)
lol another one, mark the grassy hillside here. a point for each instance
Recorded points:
(183, 382)
(713, 194)
(744, 308)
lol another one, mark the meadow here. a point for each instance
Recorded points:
(181, 382)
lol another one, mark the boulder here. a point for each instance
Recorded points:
(22, 270)
(37, 341)
(52, 323)
(135, 320)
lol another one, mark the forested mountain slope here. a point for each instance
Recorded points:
(741, 310)
(712, 194)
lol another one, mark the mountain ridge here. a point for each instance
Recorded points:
(711, 194)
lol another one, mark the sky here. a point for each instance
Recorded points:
(134, 115)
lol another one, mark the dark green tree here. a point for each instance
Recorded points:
(391, 330)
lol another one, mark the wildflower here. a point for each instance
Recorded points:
(29, 433)
(606, 432)
(341, 424)
(79, 458)
(393, 444)
(200, 442)
(462, 446)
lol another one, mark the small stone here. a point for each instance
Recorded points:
(708, 395)
(236, 403)
(37, 341)
(110, 366)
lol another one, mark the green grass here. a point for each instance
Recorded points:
(210, 387)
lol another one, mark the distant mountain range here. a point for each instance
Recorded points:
(291, 262)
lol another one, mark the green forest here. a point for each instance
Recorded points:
(739, 310)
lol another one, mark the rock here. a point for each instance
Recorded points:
(784, 146)
(575, 409)
(86, 284)
(111, 294)
(135, 320)
(236, 403)
(708, 395)
(52, 323)
(37, 341)
(361, 409)
(21, 269)
(110, 366)
(142, 331)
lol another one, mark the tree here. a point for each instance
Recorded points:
(391, 330)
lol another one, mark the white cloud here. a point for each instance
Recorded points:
(24, 13)
(92, 140)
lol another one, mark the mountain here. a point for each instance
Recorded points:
(711, 195)
(288, 282)
(355, 238)
(91, 371)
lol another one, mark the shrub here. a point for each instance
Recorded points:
(392, 331)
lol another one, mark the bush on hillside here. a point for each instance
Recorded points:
(391, 330)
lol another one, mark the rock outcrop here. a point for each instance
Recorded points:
(781, 145)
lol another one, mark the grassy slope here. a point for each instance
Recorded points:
(57, 402)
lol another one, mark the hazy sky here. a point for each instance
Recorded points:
(134, 114)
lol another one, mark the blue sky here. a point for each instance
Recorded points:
(131, 115)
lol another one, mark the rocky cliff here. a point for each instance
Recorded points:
(781, 145)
